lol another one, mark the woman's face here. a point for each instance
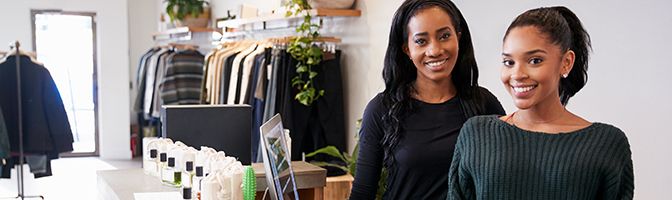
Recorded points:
(532, 67)
(432, 44)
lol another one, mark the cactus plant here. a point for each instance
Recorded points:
(249, 184)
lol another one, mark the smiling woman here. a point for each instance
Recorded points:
(431, 88)
(542, 151)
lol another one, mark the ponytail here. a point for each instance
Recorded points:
(564, 29)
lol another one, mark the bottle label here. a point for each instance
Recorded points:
(168, 175)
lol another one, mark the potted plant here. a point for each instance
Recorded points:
(190, 13)
(350, 161)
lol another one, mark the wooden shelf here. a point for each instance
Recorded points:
(182, 31)
(320, 12)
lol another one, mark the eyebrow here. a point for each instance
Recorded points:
(438, 30)
(528, 52)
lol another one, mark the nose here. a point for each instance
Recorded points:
(518, 72)
(434, 49)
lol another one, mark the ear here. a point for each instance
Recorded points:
(406, 51)
(567, 62)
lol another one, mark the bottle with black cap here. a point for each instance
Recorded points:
(198, 178)
(188, 174)
(163, 159)
(186, 193)
(171, 176)
(151, 163)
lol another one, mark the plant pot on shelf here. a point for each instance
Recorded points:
(195, 22)
(331, 4)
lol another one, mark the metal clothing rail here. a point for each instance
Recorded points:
(19, 170)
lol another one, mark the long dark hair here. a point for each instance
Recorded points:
(564, 29)
(400, 73)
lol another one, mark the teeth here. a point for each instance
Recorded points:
(437, 63)
(523, 89)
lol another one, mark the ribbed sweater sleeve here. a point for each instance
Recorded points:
(496, 160)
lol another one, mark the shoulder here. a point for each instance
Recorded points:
(487, 102)
(608, 132)
(376, 105)
(479, 124)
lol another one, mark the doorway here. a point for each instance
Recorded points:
(65, 42)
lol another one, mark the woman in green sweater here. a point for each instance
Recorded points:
(542, 151)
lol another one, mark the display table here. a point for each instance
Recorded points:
(121, 184)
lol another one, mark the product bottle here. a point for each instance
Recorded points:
(171, 176)
(150, 164)
(163, 159)
(186, 193)
(188, 175)
(196, 189)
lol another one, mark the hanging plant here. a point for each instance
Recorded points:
(179, 9)
(307, 54)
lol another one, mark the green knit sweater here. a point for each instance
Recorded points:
(496, 160)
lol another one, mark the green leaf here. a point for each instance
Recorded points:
(321, 92)
(328, 150)
(326, 164)
(312, 75)
(302, 69)
(288, 14)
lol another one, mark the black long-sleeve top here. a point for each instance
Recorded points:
(424, 152)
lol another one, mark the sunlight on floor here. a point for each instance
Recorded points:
(74, 178)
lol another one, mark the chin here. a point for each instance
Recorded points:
(522, 104)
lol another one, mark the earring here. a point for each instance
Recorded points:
(565, 75)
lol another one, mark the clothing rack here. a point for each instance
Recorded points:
(19, 170)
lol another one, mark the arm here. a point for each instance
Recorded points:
(460, 182)
(492, 105)
(370, 156)
(619, 181)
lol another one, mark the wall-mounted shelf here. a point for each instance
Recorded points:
(320, 12)
(182, 33)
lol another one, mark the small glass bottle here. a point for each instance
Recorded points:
(171, 176)
(198, 178)
(188, 174)
(150, 164)
(186, 193)
(163, 159)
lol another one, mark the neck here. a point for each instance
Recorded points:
(434, 91)
(542, 113)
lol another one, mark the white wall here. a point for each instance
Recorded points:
(112, 36)
(143, 21)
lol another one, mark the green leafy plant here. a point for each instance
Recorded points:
(249, 184)
(308, 55)
(179, 9)
(350, 161)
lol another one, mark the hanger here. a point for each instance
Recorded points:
(31, 55)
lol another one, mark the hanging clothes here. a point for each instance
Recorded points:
(4, 137)
(183, 77)
(46, 129)
(259, 74)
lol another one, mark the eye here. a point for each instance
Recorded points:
(445, 36)
(508, 62)
(420, 41)
(535, 61)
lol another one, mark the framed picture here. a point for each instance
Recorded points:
(277, 164)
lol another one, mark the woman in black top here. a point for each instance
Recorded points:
(431, 89)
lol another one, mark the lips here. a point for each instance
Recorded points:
(522, 91)
(436, 65)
